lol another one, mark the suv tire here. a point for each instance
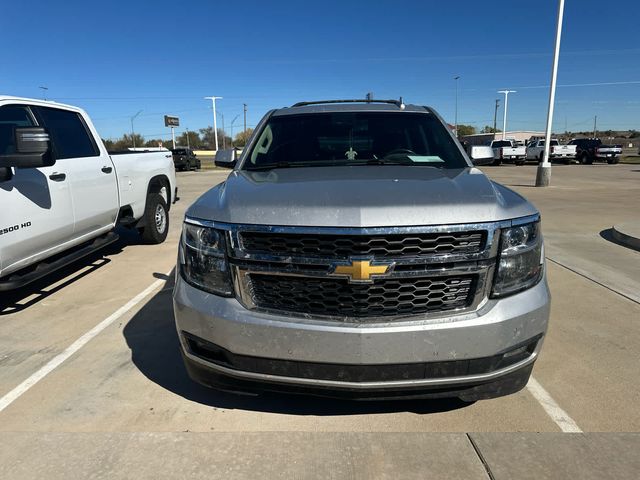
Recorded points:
(585, 159)
(156, 219)
(612, 161)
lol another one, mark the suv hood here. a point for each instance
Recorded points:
(359, 196)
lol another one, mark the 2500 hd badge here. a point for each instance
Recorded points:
(14, 228)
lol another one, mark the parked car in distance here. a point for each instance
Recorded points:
(62, 194)
(185, 159)
(535, 151)
(354, 251)
(507, 150)
(589, 150)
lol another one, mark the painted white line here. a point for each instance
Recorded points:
(56, 361)
(557, 414)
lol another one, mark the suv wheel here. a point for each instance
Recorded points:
(156, 219)
(585, 159)
(612, 161)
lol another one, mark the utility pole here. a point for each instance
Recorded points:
(595, 126)
(224, 134)
(44, 92)
(133, 135)
(495, 117)
(188, 143)
(232, 122)
(215, 125)
(456, 78)
(506, 105)
(245, 116)
(543, 175)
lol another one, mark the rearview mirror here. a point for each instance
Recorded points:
(32, 149)
(226, 158)
(481, 155)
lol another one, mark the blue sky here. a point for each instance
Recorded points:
(116, 58)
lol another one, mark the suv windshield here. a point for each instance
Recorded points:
(179, 151)
(354, 138)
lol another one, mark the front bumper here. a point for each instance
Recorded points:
(458, 343)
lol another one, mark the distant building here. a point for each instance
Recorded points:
(487, 138)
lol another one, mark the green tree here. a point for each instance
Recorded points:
(466, 130)
(242, 137)
(488, 129)
(208, 139)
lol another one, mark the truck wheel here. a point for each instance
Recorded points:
(497, 162)
(542, 158)
(585, 160)
(519, 163)
(156, 219)
(187, 166)
(612, 161)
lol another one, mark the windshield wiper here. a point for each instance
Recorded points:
(270, 166)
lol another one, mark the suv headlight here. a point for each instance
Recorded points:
(520, 264)
(203, 261)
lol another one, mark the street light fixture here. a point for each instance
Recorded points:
(506, 105)
(215, 125)
(133, 136)
(456, 78)
(543, 174)
(44, 92)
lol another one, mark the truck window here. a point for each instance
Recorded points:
(501, 143)
(69, 134)
(355, 138)
(12, 116)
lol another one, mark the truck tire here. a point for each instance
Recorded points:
(187, 166)
(156, 219)
(585, 159)
(612, 161)
(519, 163)
(497, 162)
(542, 158)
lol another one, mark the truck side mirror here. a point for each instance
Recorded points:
(481, 155)
(226, 158)
(32, 149)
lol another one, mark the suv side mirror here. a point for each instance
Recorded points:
(481, 155)
(226, 158)
(33, 149)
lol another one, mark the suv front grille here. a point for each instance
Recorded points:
(379, 246)
(381, 298)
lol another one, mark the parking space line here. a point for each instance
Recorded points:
(557, 414)
(55, 362)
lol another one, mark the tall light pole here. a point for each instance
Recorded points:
(44, 92)
(224, 134)
(495, 117)
(506, 105)
(456, 78)
(133, 135)
(215, 125)
(188, 143)
(232, 122)
(543, 175)
(245, 116)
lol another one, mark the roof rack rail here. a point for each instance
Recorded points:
(398, 103)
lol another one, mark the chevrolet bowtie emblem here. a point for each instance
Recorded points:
(360, 271)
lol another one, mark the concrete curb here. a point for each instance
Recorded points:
(628, 234)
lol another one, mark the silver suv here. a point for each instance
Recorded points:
(355, 250)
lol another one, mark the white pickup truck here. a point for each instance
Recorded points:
(507, 150)
(535, 151)
(62, 194)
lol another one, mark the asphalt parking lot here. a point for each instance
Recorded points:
(92, 384)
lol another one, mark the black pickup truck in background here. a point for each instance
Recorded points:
(589, 150)
(185, 159)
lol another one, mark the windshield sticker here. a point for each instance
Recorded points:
(351, 154)
(426, 159)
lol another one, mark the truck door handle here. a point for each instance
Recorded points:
(107, 169)
(58, 177)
